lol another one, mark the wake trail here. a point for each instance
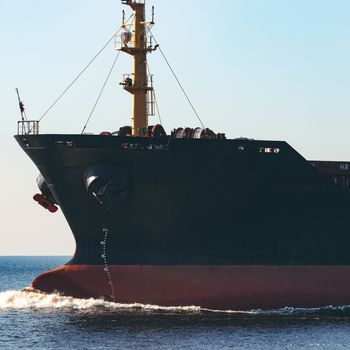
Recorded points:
(29, 299)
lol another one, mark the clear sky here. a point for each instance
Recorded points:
(265, 69)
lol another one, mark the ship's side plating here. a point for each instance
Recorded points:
(201, 203)
(193, 201)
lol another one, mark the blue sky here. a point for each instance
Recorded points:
(261, 69)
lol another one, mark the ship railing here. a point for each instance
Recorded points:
(128, 80)
(151, 101)
(127, 2)
(28, 127)
(119, 44)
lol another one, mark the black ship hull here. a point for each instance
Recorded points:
(235, 223)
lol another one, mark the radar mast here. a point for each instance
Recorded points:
(135, 42)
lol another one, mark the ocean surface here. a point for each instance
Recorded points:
(30, 320)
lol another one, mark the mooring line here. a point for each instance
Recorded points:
(105, 261)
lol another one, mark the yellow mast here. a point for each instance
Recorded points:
(137, 84)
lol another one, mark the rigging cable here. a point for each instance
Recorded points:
(82, 72)
(176, 78)
(101, 92)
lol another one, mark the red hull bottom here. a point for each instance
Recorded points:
(220, 287)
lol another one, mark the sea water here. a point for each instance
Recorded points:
(30, 320)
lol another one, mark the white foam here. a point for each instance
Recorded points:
(29, 299)
(32, 300)
(302, 310)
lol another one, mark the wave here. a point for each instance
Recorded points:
(30, 299)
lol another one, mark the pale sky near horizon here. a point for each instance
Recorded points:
(268, 69)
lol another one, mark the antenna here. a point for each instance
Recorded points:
(123, 20)
(152, 22)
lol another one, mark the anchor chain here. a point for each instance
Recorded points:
(105, 262)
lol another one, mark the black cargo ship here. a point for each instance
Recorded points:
(192, 218)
